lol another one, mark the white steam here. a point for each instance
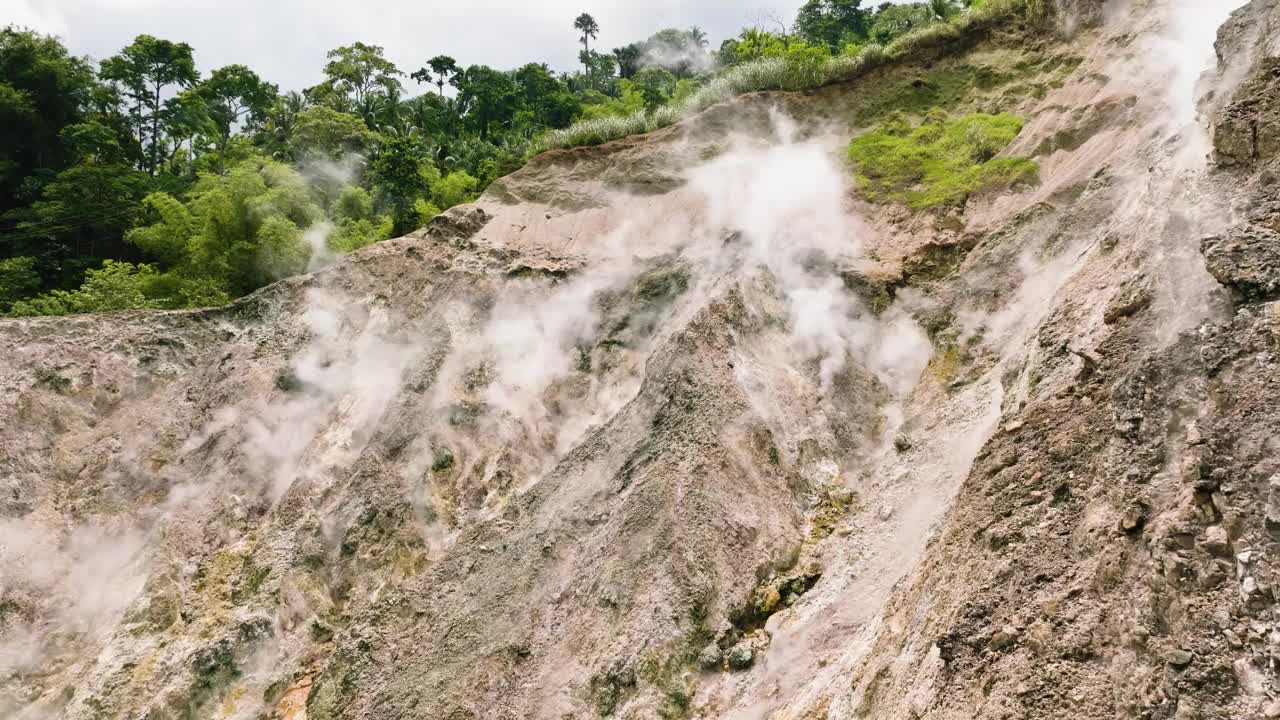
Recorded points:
(689, 57)
(788, 201)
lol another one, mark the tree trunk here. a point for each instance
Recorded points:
(155, 132)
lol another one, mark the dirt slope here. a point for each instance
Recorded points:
(681, 426)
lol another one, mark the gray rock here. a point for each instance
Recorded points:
(1249, 587)
(1273, 502)
(1217, 541)
(1003, 638)
(1246, 259)
(740, 656)
(710, 657)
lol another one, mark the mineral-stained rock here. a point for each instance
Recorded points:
(1246, 259)
(740, 656)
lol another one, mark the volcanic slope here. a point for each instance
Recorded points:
(685, 425)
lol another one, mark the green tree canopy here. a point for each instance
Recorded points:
(402, 179)
(235, 94)
(358, 70)
(830, 22)
(145, 70)
(239, 231)
(43, 90)
(329, 133)
(628, 59)
(545, 101)
(438, 70)
(487, 95)
(892, 21)
(655, 85)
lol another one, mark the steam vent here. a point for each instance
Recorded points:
(944, 389)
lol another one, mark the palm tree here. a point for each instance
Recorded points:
(283, 117)
(384, 110)
(589, 28)
(697, 36)
(628, 59)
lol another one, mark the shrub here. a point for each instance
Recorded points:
(353, 234)
(426, 211)
(115, 286)
(943, 160)
(453, 189)
(18, 279)
(354, 203)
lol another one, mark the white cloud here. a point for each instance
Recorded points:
(23, 13)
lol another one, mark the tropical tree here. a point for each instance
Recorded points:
(628, 59)
(590, 29)
(238, 232)
(655, 85)
(387, 112)
(326, 132)
(235, 94)
(544, 101)
(80, 218)
(680, 51)
(434, 115)
(358, 70)
(144, 70)
(18, 279)
(892, 21)
(188, 120)
(945, 9)
(599, 72)
(441, 67)
(453, 189)
(43, 90)
(281, 120)
(829, 22)
(399, 175)
(488, 96)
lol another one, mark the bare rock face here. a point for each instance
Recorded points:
(1247, 259)
(1247, 129)
(682, 427)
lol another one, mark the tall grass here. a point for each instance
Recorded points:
(781, 73)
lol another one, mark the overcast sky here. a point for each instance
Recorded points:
(285, 41)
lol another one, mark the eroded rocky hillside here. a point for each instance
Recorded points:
(685, 426)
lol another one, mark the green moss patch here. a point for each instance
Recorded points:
(943, 160)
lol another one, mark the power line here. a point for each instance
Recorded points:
(26, 226)
(43, 231)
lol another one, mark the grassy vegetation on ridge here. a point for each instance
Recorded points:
(943, 160)
(791, 72)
